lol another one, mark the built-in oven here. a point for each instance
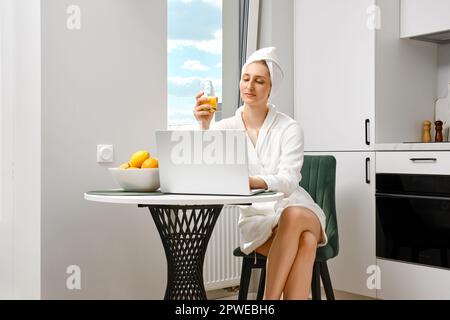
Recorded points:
(413, 208)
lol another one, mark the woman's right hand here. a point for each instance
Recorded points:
(202, 110)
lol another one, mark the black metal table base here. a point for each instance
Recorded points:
(185, 232)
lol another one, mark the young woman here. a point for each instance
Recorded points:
(286, 231)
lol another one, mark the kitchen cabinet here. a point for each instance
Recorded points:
(417, 162)
(405, 281)
(424, 17)
(335, 104)
(356, 81)
(356, 84)
(335, 74)
(355, 209)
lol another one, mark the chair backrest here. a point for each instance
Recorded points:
(319, 180)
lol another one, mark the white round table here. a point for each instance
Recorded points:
(185, 224)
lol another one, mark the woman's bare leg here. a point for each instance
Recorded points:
(298, 284)
(284, 248)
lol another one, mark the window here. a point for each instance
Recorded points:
(194, 55)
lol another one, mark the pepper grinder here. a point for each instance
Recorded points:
(426, 133)
(439, 136)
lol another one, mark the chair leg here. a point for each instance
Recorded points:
(262, 284)
(326, 280)
(245, 278)
(315, 285)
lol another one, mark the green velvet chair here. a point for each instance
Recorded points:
(319, 180)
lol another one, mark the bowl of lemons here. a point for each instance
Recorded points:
(139, 174)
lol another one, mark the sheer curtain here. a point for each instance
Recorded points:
(239, 39)
(248, 31)
(244, 6)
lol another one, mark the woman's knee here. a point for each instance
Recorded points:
(308, 241)
(293, 217)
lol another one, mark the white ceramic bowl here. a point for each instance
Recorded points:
(138, 180)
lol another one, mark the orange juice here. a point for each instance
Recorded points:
(213, 103)
(208, 92)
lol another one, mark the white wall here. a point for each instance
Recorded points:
(104, 83)
(443, 70)
(277, 29)
(6, 134)
(20, 224)
(27, 151)
(405, 80)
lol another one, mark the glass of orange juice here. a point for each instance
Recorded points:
(209, 93)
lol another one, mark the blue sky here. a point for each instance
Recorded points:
(194, 53)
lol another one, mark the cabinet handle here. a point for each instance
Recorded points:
(423, 160)
(367, 128)
(409, 196)
(368, 170)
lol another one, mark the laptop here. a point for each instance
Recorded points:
(211, 162)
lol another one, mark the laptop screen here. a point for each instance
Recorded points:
(203, 162)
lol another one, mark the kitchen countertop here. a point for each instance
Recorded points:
(440, 146)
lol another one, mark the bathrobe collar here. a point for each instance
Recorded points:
(270, 118)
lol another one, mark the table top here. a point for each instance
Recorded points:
(185, 199)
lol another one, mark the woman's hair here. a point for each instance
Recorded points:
(264, 63)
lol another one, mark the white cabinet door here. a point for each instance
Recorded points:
(355, 208)
(407, 281)
(335, 73)
(419, 17)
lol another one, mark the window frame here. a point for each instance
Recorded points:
(248, 14)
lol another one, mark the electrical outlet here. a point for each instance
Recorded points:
(105, 153)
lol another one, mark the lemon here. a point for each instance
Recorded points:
(138, 158)
(150, 163)
(124, 166)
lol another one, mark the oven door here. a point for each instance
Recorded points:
(413, 218)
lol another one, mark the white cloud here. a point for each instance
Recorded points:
(173, 45)
(209, 46)
(218, 34)
(186, 81)
(212, 2)
(195, 65)
(213, 46)
(190, 86)
(219, 65)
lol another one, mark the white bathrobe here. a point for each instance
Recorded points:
(277, 158)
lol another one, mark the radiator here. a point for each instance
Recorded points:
(221, 268)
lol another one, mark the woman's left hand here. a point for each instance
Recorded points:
(257, 183)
